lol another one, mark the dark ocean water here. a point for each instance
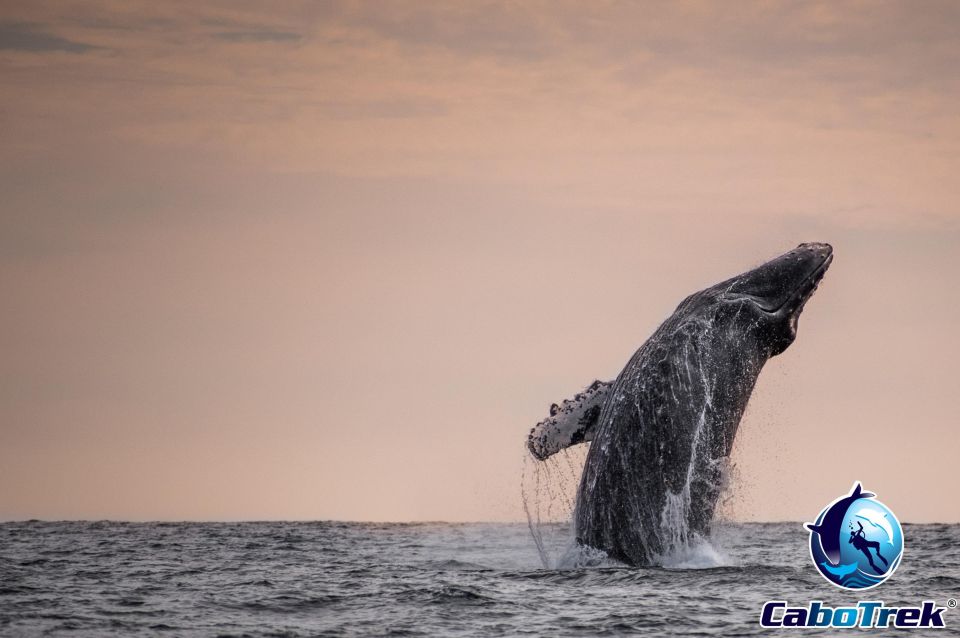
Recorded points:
(346, 579)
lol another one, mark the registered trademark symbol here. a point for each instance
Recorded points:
(952, 603)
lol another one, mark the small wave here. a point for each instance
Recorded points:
(454, 565)
(281, 603)
(8, 590)
(258, 582)
(449, 595)
(593, 576)
(941, 581)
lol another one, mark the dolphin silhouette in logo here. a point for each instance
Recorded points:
(839, 570)
(879, 520)
(832, 520)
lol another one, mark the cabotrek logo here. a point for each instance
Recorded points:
(857, 541)
(856, 544)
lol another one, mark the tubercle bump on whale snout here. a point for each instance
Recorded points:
(818, 246)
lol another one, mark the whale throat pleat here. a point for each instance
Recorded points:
(571, 422)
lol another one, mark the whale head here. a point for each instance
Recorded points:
(774, 293)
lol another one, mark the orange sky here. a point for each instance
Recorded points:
(324, 260)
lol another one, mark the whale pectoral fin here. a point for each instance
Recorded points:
(571, 422)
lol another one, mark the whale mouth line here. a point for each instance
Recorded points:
(804, 290)
(810, 284)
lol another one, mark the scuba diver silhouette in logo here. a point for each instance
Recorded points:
(859, 540)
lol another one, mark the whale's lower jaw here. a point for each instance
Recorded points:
(791, 308)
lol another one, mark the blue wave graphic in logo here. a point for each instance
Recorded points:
(856, 541)
(840, 570)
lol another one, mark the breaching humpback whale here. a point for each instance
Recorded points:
(663, 429)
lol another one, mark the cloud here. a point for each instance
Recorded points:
(259, 35)
(383, 109)
(28, 36)
(500, 31)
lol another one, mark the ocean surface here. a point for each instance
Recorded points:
(360, 579)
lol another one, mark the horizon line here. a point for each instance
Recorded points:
(368, 522)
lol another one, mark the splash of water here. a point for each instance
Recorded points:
(699, 553)
(548, 491)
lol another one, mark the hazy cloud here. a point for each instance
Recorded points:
(384, 109)
(27, 36)
(262, 35)
(509, 31)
